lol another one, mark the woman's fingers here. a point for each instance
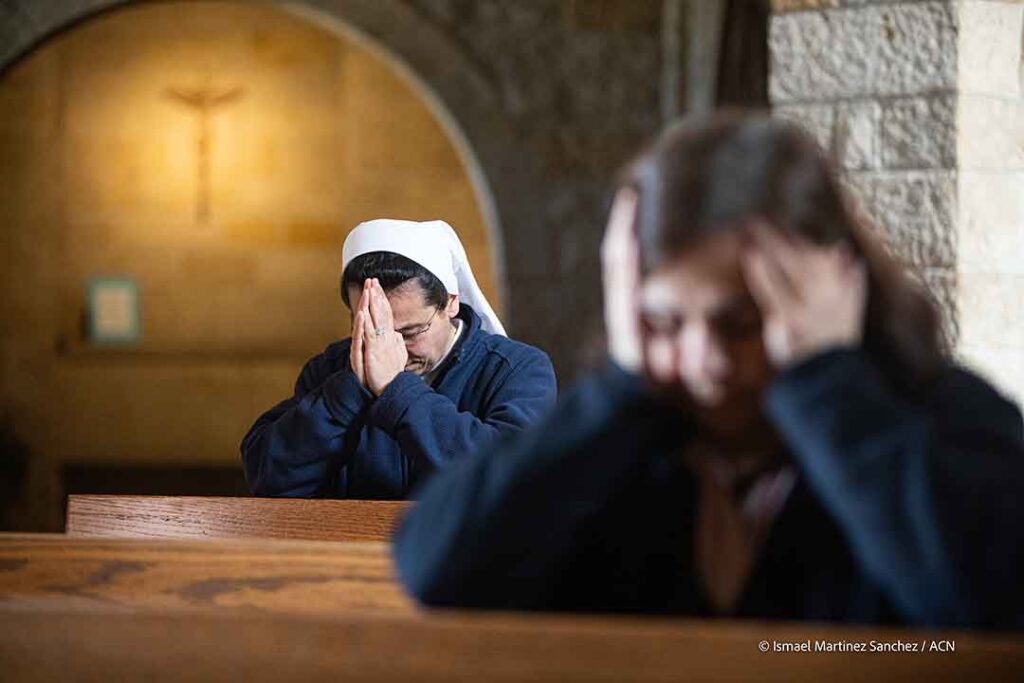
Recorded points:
(767, 284)
(818, 303)
(620, 276)
(787, 259)
(619, 250)
(619, 232)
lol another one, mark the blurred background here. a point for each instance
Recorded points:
(212, 157)
(177, 178)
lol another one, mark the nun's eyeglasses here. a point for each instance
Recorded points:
(411, 334)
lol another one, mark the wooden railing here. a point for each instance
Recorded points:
(199, 517)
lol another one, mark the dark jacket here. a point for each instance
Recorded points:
(904, 512)
(332, 438)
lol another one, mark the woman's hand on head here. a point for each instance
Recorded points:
(620, 277)
(812, 298)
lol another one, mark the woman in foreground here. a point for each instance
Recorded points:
(779, 434)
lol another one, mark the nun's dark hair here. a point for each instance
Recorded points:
(709, 174)
(393, 270)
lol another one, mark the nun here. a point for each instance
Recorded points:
(428, 376)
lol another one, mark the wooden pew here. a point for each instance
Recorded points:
(305, 577)
(202, 517)
(101, 609)
(104, 645)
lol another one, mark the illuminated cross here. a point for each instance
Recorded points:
(203, 101)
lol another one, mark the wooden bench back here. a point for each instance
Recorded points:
(254, 575)
(209, 517)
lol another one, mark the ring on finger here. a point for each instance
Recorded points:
(380, 331)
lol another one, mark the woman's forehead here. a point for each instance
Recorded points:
(707, 274)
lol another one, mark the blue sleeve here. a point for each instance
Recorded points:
(927, 493)
(430, 429)
(498, 530)
(295, 448)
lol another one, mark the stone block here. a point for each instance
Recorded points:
(916, 212)
(991, 310)
(859, 189)
(990, 47)
(992, 250)
(816, 119)
(991, 131)
(903, 49)
(991, 222)
(920, 242)
(919, 133)
(780, 6)
(857, 135)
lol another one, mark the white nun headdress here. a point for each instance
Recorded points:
(432, 244)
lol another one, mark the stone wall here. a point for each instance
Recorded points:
(919, 103)
(579, 85)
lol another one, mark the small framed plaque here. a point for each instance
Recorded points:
(112, 309)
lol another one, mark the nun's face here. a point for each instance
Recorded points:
(426, 330)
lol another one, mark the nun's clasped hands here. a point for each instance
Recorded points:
(378, 352)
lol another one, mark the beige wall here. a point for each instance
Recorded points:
(98, 177)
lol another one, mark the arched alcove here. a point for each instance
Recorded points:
(460, 93)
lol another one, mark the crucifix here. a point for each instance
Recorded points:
(203, 101)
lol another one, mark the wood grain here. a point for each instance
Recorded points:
(303, 577)
(97, 645)
(202, 517)
(172, 610)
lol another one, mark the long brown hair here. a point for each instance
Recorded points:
(710, 174)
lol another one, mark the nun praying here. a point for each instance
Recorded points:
(428, 376)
